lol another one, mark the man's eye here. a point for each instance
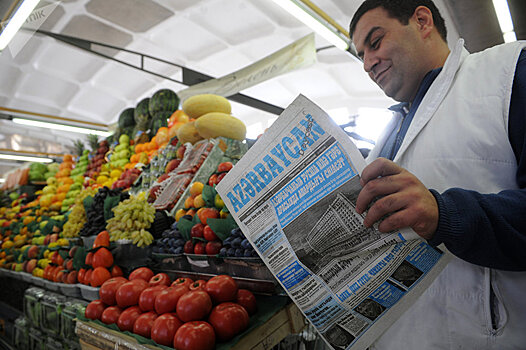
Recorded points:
(376, 43)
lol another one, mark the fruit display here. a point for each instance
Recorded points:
(100, 209)
(119, 158)
(132, 219)
(97, 160)
(77, 216)
(182, 314)
(137, 201)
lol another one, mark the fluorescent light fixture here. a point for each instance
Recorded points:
(302, 13)
(61, 127)
(25, 158)
(16, 21)
(506, 23)
(2, 180)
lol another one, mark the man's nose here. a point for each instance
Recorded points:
(369, 62)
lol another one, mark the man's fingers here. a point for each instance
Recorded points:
(378, 168)
(377, 187)
(386, 205)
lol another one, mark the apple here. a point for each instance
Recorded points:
(213, 247)
(71, 277)
(197, 230)
(53, 238)
(72, 251)
(31, 264)
(32, 252)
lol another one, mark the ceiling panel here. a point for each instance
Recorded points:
(134, 15)
(215, 37)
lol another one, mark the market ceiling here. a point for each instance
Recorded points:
(214, 37)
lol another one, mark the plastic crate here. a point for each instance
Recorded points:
(52, 305)
(36, 340)
(32, 298)
(21, 334)
(68, 315)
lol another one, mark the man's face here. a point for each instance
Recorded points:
(391, 53)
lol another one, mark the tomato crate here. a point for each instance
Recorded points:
(276, 318)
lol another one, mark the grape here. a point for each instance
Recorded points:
(133, 216)
(247, 253)
(245, 244)
(179, 250)
(239, 252)
(231, 252)
(223, 252)
(236, 242)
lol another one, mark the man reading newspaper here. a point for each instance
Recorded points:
(460, 131)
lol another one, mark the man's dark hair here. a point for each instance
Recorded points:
(401, 10)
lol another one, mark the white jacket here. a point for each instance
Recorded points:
(459, 138)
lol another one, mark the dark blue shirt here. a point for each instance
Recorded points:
(484, 229)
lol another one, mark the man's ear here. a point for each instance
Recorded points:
(424, 20)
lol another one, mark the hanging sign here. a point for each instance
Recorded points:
(300, 53)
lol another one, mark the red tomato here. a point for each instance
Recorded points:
(87, 277)
(102, 257)
(246, 299)
(142, 273)
(220, 177)
(164, 328)
(116, 271)
(166, 300)
(213, 247)
(94, 310)
(102, 240)
(199, 248)
(99, 276)
(221, 288)
(209, 234)
(189, 247)
(228, 320)
(109, 288)
(198, 285)
(212, 180)
(194, 305)
(89, 258)
(182, 280)
(160, 279)
(197, 230)
(128, 293)
(143, 324)
(225, 166)
(80, 275)
(111, 314)
(128, 317)
(196, 335)
(147, 297)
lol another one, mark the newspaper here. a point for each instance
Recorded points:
(293, 194)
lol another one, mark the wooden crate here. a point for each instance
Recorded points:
(287, 321)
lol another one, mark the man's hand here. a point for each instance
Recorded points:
(403, 197)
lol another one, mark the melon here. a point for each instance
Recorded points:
(127, 118)
(199, 105)
(159, 120)
(141, 114)
(212, 125)
(164, 100)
